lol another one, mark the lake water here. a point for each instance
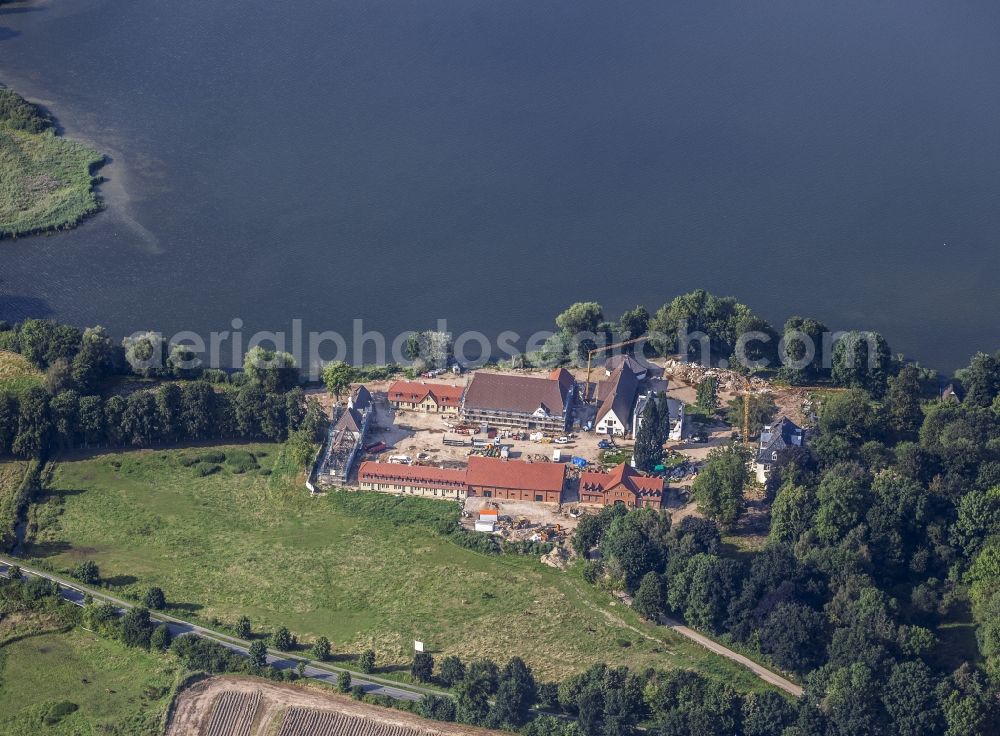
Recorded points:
(489, 162)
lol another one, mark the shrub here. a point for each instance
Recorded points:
(57, 711)
(212, 457)
(203, 469)
(241, 461)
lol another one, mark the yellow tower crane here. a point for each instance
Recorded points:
(603, 348)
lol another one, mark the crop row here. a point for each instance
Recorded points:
(233, 714)
(308, 722)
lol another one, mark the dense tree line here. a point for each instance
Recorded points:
(883, 528)
(803, 351)
(72, 410)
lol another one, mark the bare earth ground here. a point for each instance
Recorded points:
(193, 706)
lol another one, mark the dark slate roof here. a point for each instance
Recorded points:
(616, 361)
(618, 394)
(778, 436)
(350, 420)
(517, 394)
(361, 399)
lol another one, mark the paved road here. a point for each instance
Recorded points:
(762, 672)
(75, 593)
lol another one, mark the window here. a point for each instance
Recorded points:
(539, 497)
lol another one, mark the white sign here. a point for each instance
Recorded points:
(418, 645)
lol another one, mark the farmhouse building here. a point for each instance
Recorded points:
(413, 480)
(617, 361)
(513, 480)
(434, 398)
(345, 438)
(526, 402)
(487, 477)
(675, 409)
(617, 396)
(624, 485)
(776, 437)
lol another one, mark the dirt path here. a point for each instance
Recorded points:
(761, 672)
(192, 708)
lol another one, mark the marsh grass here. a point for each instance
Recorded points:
(46, 181)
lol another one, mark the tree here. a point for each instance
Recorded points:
(65, 411)
(910, 700)
(183, 362)
(154, 599)
(95, 359)
(257, 652)
(58, 376)
(635, 544)
(437, 707)
(802, 336)
(850, 416)
(707, 395)
(862, 360)
(648, 601)
(581, 317)
(766, 714)
(344, 681)
(282, 639)
(648, 450)
(473, 695)
(634, 323)
(452, 671)
(422, 667)
(159, 640)
(243, 629)
(367, 661)
(792, 636)
(321, 649)
(981, 380)
(91, 420)
(902, 402)
(762, 408)
(169, 405)
(140, 422)
(718, 489)
(338, 377)
(87, 572)
(136, 627)
(273, 371)
(514, 696)
(791, 513)
(842, 497)
(145, 354)
(34, 424)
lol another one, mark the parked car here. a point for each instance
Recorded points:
(376, 447)
(605, 444)
(561, 440)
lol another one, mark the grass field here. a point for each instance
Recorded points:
(17, 374)
(115, 690)
(362, 569)
(46, 182)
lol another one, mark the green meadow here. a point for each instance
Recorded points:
(225, 538)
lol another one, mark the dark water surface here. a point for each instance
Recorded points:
(490, 161)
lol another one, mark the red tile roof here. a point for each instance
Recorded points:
(622, 475)
(445, 394)
(419, 475)
(515, 474)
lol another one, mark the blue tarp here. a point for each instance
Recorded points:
(579, 462)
